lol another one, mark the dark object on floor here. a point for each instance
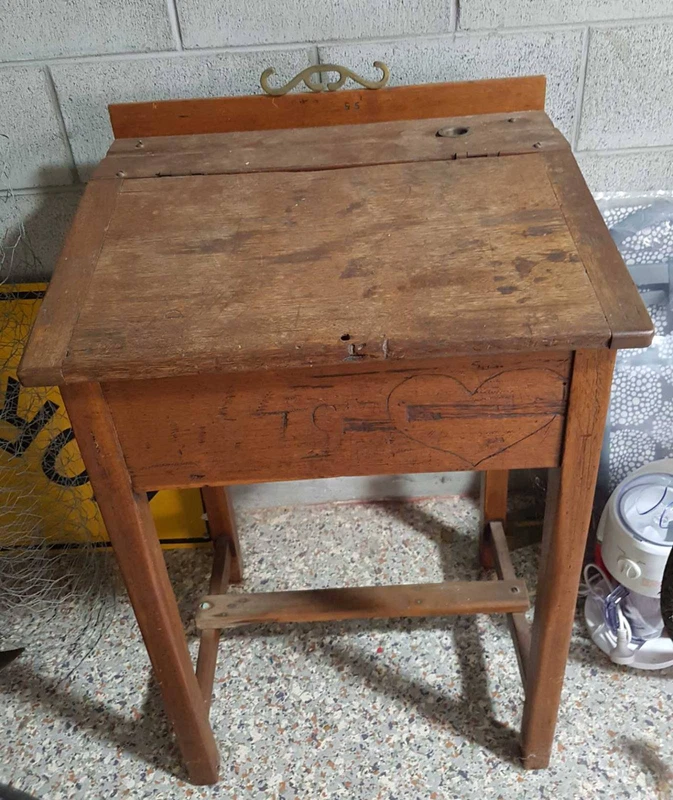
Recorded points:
(9, 793)
(667, 595)
(7, 656)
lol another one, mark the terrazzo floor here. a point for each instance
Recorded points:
(400, 709)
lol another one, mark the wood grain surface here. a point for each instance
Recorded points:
(42, 361)
(570, 494)
(305, 109)
(493, 501)
(395, 305)
(228, 273)
(222, 525)
(622, 305)
(206, 662)
(518, 625)
(454, 414)
(305, 149)
(363, 602)
(130, 526)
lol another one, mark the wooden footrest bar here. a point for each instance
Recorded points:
(519, 627)
(367, 602)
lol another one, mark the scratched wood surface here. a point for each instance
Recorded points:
(330, 147)
(305, 109)
(622, 305)
(569, 503)
(518, 625)
(363, 602)
(246, 272)
(129, 523)
(42, 361)
(454, 414)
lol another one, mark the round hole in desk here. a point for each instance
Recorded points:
(459, 131)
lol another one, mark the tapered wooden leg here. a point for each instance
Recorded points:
(209, 640)
(131, 529)
(567, 516)
(519, 627)
(493, 509)
(221, 522)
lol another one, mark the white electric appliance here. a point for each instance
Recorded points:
(635, 536)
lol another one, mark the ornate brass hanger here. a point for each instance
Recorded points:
(329, 86)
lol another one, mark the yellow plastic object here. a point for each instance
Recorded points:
(40, 461)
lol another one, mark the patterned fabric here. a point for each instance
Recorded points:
(640, 420)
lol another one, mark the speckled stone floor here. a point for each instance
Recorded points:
(402, 709)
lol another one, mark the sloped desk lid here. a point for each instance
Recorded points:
(314, 247)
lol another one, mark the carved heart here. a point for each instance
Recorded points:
(440, 412)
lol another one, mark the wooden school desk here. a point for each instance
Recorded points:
(406, 280)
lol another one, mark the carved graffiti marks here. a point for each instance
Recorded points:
(459, 413)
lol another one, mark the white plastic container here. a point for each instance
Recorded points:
(635, 533)
(636, 528)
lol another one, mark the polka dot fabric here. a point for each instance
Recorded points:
(640, 420)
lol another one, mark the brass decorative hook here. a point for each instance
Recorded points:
(329, 86)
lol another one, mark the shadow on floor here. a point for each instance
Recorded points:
(470, 716)
(10, 793)
(140, 736)
(650, 761)
(458, 551)
(452, 544)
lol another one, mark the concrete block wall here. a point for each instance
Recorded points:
(609, 65)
